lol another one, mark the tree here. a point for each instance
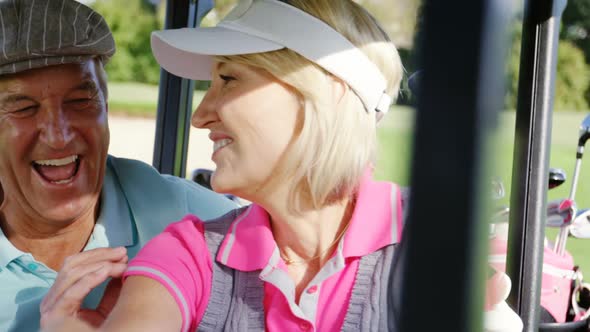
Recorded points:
(222, 7)
(571, 81)
(576, 28)
(398, 18)
(132, 22)
(576, 25)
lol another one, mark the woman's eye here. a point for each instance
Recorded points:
(226, 78)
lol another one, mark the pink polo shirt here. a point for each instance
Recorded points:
(179, 259)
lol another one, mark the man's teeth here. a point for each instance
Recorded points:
(221, 143)
(57, 162)
(63, 181)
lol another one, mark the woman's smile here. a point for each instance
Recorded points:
(220, 144)
(250, 133)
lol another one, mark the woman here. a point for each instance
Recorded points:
(292, 137)
(297, 88)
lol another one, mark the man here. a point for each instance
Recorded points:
(63, 200)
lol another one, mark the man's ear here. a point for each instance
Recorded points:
(1, 196)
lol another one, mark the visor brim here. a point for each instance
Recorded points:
(188, 52)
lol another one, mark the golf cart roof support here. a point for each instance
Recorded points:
(443, 252)
(175, 100)
(531, 156)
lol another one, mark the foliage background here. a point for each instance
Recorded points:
(571, 81)
(133, 20)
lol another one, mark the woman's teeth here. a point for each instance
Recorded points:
(221, 143)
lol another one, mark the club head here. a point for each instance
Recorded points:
(560, 213)
(414, 82)
(584, 131)
(580, 227)
(556, 177)
(500, 215)
(585, 123)
(498, 191)
(202, 176)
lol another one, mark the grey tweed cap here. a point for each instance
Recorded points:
(40, 33)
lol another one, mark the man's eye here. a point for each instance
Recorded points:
(26, 109)
(79, 102)
(20, 111)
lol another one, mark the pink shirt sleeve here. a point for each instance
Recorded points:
(179, 260)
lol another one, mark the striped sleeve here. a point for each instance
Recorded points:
(180, 261)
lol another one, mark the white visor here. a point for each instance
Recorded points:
(256, 26)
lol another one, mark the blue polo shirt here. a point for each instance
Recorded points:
(136, 204)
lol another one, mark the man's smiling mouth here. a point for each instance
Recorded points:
(58, 171)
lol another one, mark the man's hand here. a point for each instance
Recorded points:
(80, 274)
(67, 324)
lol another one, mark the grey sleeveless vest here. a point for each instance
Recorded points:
(236, 302)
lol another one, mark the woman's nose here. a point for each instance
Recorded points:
(205, 114)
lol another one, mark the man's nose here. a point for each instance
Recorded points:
(56, 127)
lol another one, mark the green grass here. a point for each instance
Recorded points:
(135, 99)
(395, 139)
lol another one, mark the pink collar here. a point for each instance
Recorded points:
(376, 222)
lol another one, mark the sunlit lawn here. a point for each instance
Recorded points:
(395, 138)
(395, 135)
(136, 99)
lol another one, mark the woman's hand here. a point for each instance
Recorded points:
(79, 275)
(498, 316)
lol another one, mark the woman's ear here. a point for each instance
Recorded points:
(338, 89)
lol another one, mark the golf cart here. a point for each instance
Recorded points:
(458, 104)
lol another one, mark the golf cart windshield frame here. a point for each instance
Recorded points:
(453, 110)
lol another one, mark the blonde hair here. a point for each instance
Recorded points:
(334, 146)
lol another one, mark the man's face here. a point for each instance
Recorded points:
(54, 139)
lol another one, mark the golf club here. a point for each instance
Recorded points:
(580, 227)
(583, 137)
(560, 213)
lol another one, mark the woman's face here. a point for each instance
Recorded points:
(252, 118)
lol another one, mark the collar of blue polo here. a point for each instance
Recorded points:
(8, 252)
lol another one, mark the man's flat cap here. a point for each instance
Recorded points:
(40, 33)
